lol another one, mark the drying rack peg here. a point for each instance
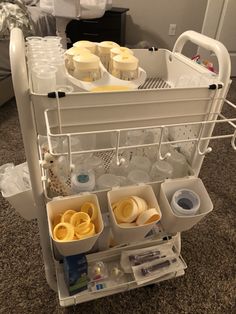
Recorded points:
(168, 154)
(119, 161)
(206, 150)
(233, 140)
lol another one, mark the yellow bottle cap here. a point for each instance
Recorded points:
(90, 231)
(90, 209)
(79, 218)
(63, 232)
(106, 46)
(86, 62)
(91, 46)
(120, 50)
(67, 215)
(125, 62)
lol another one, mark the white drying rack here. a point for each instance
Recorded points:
(191, 111)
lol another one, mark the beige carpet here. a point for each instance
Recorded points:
(209, 285)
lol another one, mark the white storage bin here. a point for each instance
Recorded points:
(16, 189)
(60, 205)
(136, 233)
(173, 223)
(23, 203)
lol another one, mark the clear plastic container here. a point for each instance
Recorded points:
(59, 64)
(103, 52)
(87, 67)
(44, 78)
(72, 52)
(125, 67)
(118, 51)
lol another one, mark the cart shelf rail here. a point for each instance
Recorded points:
(54, 122)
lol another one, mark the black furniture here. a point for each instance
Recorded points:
(111, 26)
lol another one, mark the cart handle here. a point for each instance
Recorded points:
(209, 44)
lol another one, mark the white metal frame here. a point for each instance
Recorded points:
(29, 134)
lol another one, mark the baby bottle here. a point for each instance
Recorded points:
(104, 49)
(125, 67)
(70, 53)
(87, 67)
(117, 51)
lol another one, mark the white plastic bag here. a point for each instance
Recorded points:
(46, 5)
(14, 180)
(91, 9)
(84, 9)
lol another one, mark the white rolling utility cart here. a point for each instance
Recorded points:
(173, 112)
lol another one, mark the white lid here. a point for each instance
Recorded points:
(75, 51)
(120, 50)
(86, 61)
(83, 181)
(86, 44)
(125, 62)
(185, 202)
(106, 46)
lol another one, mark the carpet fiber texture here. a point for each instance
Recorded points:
(209, 248)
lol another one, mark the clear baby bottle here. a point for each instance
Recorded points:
(125, 67)
(87, 67)
(103, 52)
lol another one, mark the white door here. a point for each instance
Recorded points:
(220, 23)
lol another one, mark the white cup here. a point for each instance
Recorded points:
(104, 49)
(52, 39)
(59, 63)
(44, 78)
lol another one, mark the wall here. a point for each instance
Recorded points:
(149, 20)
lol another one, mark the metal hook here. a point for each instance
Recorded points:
(207, 150)
(122, 160)
(233, 140)
(168, 154)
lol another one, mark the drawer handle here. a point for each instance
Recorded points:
(91, 34)
(90, 21)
